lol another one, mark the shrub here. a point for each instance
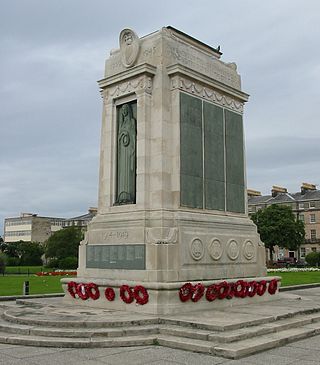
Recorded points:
(69, 262)
(13, 261)
(313, 258)
(53, 263)
(3, 262)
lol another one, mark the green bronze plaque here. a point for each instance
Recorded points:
(214, 180)
(191, 160)
(130, 257)
(234, 162)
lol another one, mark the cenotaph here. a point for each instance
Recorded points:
(172, 216)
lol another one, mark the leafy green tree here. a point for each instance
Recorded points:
(63, 243)
(31, 253)
(23, 253)
(278, 226)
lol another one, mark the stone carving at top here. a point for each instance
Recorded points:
(129, 47)
(207, 93)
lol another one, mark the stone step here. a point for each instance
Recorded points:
(172, 330)
(216, 327)
(242, 333)
(77, 333)
(184, 343)
(276, 326)
(236, 350)
(74, 322)
(41, 341)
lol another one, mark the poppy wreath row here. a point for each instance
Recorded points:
(239, 289)
(85, 291)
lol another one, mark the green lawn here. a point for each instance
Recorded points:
(295, 278)
(13, 285)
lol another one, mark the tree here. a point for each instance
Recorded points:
(23, 253)
(63, 243)
(278, 226)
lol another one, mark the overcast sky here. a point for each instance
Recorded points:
(53, 52)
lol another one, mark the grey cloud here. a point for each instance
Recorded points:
(53, 52)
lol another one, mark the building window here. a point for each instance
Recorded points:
(312, 204)
(312, 218)
(314, 249)
(301, 217)
(302, 251)
(313, 234)
(301, 205)
(305, 205)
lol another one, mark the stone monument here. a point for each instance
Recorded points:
(172, 215)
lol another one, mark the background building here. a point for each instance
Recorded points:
(31, 227)
(306, 206)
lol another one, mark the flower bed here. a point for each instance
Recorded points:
(295, 269)
(56, 273)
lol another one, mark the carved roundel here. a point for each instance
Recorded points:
(249, 250)
(129, 47)
(233, 249)
(215, 249)
(197, 249)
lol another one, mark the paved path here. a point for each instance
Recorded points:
(305, 352)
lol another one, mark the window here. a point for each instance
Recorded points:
(313, 234)
(312, 218)
(302, 251)
(301, 217)
(305, 205)
(314, 249)
(301, 205)
(312, 204)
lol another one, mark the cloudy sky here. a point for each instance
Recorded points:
(52, 53)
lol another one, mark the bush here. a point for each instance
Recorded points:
(53, 263)
(68, 263)
(13, 261)
(313, 258)
(3, 262)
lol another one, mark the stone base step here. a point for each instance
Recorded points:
(248, 347)
(41, 341)
(78, 333)
(184, 343)
(75, 322)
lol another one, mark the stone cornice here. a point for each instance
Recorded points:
(205, 87)
(144, 69)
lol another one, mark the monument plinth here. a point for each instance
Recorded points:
(172, 188)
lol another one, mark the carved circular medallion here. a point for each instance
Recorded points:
(215, 249)
(233, 249)
(129, 47)
(196, 249)
(249, 250)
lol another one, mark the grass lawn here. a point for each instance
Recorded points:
(13, 285)
(295, 278)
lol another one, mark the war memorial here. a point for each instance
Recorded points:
(172, 216)
(172, 257)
